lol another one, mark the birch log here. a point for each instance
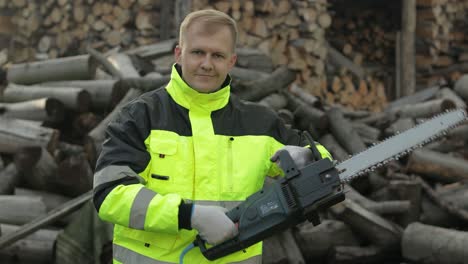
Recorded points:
(101, 91)
(43, 109)
(81, 67)
(16, 134)
(434, 245)
(25, 209)
(73, 98)
(438, 166)
(343, 131)
(35, 248)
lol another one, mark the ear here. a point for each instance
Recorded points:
(177, 53)
(232, 61)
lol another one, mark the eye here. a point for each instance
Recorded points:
(197, 52)
(218, 56)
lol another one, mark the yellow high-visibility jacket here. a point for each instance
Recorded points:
(172, 147)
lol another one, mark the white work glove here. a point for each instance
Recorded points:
(300, 155)
(212, 223)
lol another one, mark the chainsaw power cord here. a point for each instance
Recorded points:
(185, 251)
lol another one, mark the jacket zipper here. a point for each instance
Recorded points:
(229, 165)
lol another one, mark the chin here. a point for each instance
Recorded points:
(205, 89)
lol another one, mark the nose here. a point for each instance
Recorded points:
(206, 64)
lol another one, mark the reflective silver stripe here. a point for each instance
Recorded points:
(140, 208)
(226, 204)
(112, 173)
(127, 256)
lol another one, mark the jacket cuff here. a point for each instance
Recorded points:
(185, 215)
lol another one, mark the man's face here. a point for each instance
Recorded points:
(206, 57)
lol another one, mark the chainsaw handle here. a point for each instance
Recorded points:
(225, 248)
(220, 250)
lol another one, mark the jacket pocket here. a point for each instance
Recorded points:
(170, 161)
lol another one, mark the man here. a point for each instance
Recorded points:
(177, 158)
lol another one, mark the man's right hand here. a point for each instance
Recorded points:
(212, 223)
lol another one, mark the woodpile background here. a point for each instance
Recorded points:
(442, 46)
(56, 28)
(397, 213)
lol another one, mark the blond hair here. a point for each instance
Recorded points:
(212, 19)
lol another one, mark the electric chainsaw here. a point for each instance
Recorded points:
(302, 192)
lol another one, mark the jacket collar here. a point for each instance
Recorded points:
(191, 99)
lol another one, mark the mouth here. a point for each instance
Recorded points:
(205, 75)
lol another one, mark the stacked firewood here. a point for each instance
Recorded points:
(361, 49)
(291, 32)
(52, 126)
(441, 45)
(55, 28)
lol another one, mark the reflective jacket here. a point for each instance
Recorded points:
(175, 146)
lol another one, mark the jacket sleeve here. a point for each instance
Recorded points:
(289, 136)
(120, 195)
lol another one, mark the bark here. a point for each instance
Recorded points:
(95, 138)
(400, 125)
(430, 244)
(418, 97)
(8, 179)
(316, 241)
(73, 98)
(123, 64)
(306, 113)
(341, 61)
(438, 166)
(293, 253)
(104, 63)
(154, 51)
(273, 252)
(35, 248)
(374, 228)
(449, 94)
(287, 116)
(37, 168)
(407, 44)
(446, 205)
(308, 98)
(101, 91)
(461, 87)
(366, 131)
(144, 84)
(43, 109)
(25, 209)
(44, 220)
(274, 101)
(16, 134)
(358, 255)
(80, 67)
(410, 191)
(246, 75)
(425, 109)
(74, 176)
(254, 59)
(344, 133)
(257, 89)
(334, 147)
(50, 200)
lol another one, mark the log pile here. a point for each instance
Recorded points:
(361, 52)
(441, 47)
(56, 28)
(386, 215)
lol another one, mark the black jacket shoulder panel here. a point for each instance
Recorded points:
(241, 118)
